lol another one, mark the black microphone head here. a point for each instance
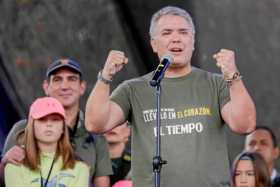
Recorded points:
(158, 74)
(168, 57)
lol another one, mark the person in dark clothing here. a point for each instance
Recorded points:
(263, 141)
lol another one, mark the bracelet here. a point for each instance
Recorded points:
(101, 78)
(235, 77)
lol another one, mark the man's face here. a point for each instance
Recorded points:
(65, 86)
(261, 142)
(174, 35)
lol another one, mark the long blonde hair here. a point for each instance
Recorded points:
(32, 152)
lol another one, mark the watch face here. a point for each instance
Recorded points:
(101, 78)
(235, 75)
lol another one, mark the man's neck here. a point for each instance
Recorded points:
(72, 114)
(175, 72)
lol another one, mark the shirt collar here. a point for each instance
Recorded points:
(273, 174)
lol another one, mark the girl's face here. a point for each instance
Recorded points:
(244, 174)
(48, 129)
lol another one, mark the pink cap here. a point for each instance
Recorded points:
(123, 183)
(44, 106)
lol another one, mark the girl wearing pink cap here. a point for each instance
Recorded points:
(49, 160)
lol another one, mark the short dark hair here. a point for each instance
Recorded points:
(272, 135)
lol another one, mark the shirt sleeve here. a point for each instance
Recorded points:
(121, 96)
(11, 139)
(13, 176)
(223, 91)
(82, 179)
(103, 161)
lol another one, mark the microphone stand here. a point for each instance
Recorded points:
(157, 160)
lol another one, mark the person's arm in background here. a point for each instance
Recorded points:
(102, 114)
(103, 163)
(12, 138)
(240, 112)
(12, 152)
(101, 181)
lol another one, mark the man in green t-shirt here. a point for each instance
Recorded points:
(195, 105)
(65, 83)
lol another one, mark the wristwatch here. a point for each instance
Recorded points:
(235, 77)
(101, 78)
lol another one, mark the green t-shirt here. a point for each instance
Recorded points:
(92, 149)
(193, 137)
(22, 176)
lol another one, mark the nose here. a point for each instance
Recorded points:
(49, 123)
(256, 147)
(243, 179)
(64, 84)
(176, 37)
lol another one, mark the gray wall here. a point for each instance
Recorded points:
(252, 29)
(34, 33)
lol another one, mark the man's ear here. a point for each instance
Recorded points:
(276, 153)
(83, 87)
(193, 43)
(45, 86)
(154, 45)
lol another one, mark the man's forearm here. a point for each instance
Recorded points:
(243, 111)
(98, 108)
(101, 113)
(101, 181)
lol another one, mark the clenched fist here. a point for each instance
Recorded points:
(225, 60)
(114, 63)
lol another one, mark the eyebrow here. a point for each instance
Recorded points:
(180, 30)
(252, 170)
(164, 30)
(184, 29)
(67, 77)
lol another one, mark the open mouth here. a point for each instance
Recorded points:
(176, 50)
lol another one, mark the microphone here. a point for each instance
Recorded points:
(158, 74)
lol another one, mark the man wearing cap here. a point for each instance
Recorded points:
(64, 82)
